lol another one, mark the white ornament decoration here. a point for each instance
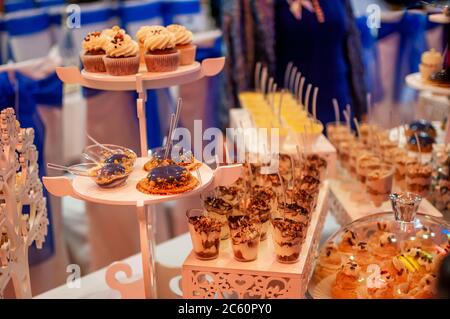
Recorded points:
(19, 187)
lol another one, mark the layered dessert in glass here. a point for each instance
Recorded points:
(379, 183)
(261, 208)
(245, 231)
(288, 237)
(205, 234)
(419, 178)
(365, 164)
(217, 208)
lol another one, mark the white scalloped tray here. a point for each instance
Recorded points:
(415, 81)
(143, 79)
(86, 189)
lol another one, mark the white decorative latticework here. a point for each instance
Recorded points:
(248, 286)
(263, 278)
(20, 187)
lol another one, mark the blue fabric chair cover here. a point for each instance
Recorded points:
(47, 91)
(214, 83)
(181, 12)
(29, 33)
(370, 58)
(49, 3)
(3, 41)
(412, 29)
(92, 18)
(17, 5)
(54, 10)
(134, 14)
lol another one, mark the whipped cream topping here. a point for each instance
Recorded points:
(182, 35)
(113, 31)
(144, 31)
(349, 237)
(95, 42)
(351, 269)
(121, 45)
(159, 39)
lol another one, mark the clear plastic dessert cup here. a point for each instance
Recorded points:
(218, 209)
(379, 183)
(205, 234)
(288, 237)
(245, 233)
(419, 178)
(260, 207)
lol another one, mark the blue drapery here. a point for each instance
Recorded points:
(48, 92)
(412, 29)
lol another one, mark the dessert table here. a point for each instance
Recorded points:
(168, 268)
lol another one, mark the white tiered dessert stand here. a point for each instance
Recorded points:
(84, 188)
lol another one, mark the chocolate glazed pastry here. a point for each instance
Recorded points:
(180, 157)
(421, 126)
(426, 143)
(121, 159)
(441, 78)
(111, 175)
(167, 180)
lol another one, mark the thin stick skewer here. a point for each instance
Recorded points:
(269, 89)
(369, 107)
(308, 92)
(355, 120)
(98, 143)
(314, 109)
(336, 111)
(296, 85)
(67, 169)
(292, 79)
(280, 104)
(264, 76)
(257, 76)
(287, 74)
(300, 93)
(419, 147)
(169, 136)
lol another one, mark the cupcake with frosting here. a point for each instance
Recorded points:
(431, 62)
(94, 45)
(161, 55)
(183, 43)
(141, 35)
(122, 55)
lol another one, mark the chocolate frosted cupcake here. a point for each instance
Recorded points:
(183, 43)
(122, 55)
(161, 55)
(94, 45)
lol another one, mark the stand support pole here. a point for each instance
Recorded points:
(146, 253)
(140, 103)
